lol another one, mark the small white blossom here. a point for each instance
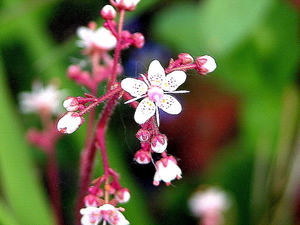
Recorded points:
(210, 200)
(112, 215)
(155, 90)
(166, 171)
(90, 216)
(41, 98)
(69, 122)
(101, 38)
(107, 212)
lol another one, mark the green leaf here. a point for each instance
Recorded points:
(19, 183)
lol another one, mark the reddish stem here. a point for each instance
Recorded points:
(113, 77)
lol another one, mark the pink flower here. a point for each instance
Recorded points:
(155, 90)
(166, 170)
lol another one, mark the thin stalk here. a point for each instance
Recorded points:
(113, 77)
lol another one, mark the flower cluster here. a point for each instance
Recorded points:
(155, 88)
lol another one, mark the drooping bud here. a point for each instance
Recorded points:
(159, 143)
(205, 64)
(138, 40)
(122, 195)
(142, 157)
(128, 5)
(69, 122)
(71, 104)
(143, 135)
(91, 201)
(186, 58)
(108, 12)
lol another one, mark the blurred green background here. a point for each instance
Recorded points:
(239, 128)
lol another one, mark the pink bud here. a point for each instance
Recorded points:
(159, 143)
(91, 200)
(69, 122)
(143, 135)
(142, 157)
(138, 40)
(205, 64)
(108, 12)
(122, 195)
(186, 58)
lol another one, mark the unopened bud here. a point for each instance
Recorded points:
(91, 201)
(142, 157)
(71, 104)
(159, 143)
(128, 5)
(122, 195)
(69, 122)
(205, 64)
(138, 40)
(143, 135)
(108, 12)
(186, 58)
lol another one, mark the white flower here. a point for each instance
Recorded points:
(154, 89)
(41, 98)
(166, 170)
(112, 215)
(107, 212)
(69, 122)
(101, 38)
(210, 200)
(90, 216)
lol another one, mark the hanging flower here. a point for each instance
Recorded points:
(166, 170)
(69, 123)
(42, 99)
(155, 90)
(107, 212)
(100, 38)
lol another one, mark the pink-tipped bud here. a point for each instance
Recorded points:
(138, 40)
(122, 195)
(159, 143)
(205, 64)
(108, 12)
(69, 122)
(186, 58)
(143, 135)
(142, 157)
(91, 201)
(71, 104)
(128, 5)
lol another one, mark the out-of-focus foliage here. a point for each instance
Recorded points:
(256, 47)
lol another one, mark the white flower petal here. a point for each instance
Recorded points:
(156, 73)
(144, 111)
(173, 81)
(170, 105)
(135, 87)
(104, 39)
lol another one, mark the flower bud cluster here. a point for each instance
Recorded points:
(76, 107)
(152, 141)
(203, 64)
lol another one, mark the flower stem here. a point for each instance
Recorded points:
(113, 77)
